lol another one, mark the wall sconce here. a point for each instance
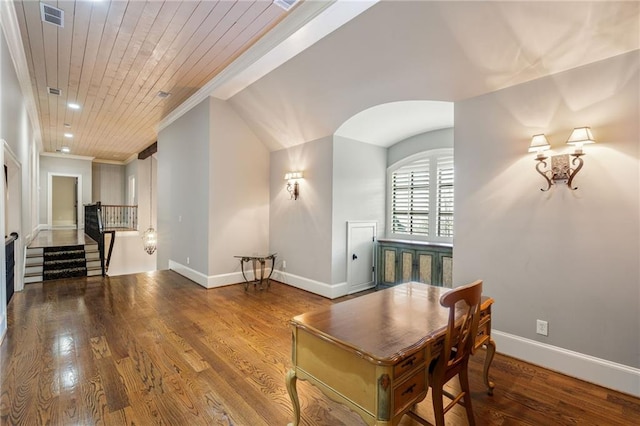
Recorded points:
(292, 184)
(561, 170)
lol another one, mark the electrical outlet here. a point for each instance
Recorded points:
(284, 264)
(542, 327)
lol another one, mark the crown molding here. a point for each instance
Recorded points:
(308, 23)
(115, 162)
(66, 156)
(133, 156)
(11, 30)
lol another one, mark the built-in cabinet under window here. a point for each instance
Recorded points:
(400, 261)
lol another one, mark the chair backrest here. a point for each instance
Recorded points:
(462, 328)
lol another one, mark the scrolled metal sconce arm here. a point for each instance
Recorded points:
(560, 170)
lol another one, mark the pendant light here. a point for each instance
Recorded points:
(150, 236)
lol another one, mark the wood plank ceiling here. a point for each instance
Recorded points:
(113, 58)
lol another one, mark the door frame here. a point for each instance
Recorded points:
(351, 224)
(79, 212)
(14, 190)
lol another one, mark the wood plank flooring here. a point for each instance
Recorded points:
(156, 348)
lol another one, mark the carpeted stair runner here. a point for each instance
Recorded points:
(64, 262)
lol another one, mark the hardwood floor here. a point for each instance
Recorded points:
(156, 348)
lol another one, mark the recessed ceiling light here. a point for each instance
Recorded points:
(68, 135)
(73, 106)
(65, 149)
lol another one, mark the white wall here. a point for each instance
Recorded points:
(213, 197)
(183, 191)
(300, 230)
(567, 257)
(239, 196)
(109, 183)
(128, 255)
(359, 173)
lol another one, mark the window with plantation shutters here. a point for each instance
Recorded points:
(445, 196)
(421, 197)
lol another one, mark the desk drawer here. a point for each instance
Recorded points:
(408, 364)
(409, 391)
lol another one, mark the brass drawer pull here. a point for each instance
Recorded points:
(408, 390)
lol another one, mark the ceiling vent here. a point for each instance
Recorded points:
(163, 95)
(52, 15)
(54, 91)
(285, 4)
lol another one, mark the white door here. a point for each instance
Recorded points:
(360, 255)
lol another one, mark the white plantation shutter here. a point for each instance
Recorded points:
(421, 197)
(445, 196)
(410, 199)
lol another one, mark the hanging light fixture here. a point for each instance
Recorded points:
(150, 236)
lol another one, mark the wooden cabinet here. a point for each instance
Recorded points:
(404, 261)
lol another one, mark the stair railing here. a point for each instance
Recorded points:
(119, 217)
(94, 227)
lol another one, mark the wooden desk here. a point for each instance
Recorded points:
(372, 353)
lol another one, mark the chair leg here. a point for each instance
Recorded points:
(438, 407)
(464, 384)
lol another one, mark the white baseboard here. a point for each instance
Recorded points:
(585, 367)
(322, 289)
(212, 281)
(206, 281)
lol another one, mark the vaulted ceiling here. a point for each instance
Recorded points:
(114, 57)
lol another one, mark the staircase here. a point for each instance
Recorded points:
(53, 263)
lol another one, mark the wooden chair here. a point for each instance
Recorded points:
(464, 314)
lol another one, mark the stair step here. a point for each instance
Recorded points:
(34, 269)
(64, 273)
(33, 279)
(39, 260)
(35, 251)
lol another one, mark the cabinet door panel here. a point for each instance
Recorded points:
(425, 268)
(447, 271)
(407, 266)
(389, 265)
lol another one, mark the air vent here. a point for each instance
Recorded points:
(163, 95)
(52, 15)
(285, 4)
(54, 91)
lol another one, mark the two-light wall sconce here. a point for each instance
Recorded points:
(293, 187)
(560, 170)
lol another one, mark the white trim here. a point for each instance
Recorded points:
(585, 367)
(19, 246)
(67, 156)
(212, 281)
(322, 289)
(308, 23)
(133, 156)
(116, 162)
(205, 281)
(79, 212)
